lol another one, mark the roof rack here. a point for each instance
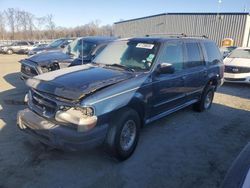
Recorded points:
(178, 35)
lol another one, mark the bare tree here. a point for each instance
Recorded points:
(10, 15)
(2, 25)
(24, 25)
(51, 25)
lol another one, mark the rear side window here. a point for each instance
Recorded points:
(213, 53)
(173, 54)
(194, 57)
(23, 43)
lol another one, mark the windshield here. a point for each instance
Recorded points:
(131, 54)
(80, 48)
(240, 53)
(56, 43)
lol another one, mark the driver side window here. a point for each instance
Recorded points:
(173, 54)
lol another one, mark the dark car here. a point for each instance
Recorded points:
(58, 44)
(131, 83)
(238, 175)
(80, 51)
(17, 47)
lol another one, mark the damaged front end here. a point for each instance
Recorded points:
(65, 112)
(60, 123)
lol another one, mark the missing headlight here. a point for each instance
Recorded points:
(86, 111)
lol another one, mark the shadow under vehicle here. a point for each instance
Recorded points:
(131, 83)
(79, 51)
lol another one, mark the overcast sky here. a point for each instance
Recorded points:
(71, 13)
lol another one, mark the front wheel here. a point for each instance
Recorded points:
(123, 134)
(9, 51)
(206, 99)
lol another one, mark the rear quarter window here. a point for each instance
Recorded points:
(213, 53)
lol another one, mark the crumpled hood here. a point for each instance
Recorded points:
(76, 82)
(48, 57)
(239, 62)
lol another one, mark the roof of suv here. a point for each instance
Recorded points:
(98, 39)
(164, 39)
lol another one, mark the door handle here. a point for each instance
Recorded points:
(205, 73)
(183, 78)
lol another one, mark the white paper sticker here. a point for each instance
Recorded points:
(145, 45)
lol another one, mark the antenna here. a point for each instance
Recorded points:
(82, 50)
(219, 9)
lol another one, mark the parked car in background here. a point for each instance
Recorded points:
(58, 44)
(226, 50)
(131, 83)
(80, 51)
(237, 66)
(38, 45)
(17, 47)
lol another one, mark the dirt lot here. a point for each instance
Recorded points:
(185, 149)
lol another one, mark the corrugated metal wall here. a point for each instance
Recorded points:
(214, 26)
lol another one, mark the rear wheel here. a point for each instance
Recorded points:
(9, 51)
(206, 99)
(123, 134)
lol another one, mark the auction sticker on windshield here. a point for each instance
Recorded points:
(145, 45)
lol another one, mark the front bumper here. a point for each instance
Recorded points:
(59, 136)
(237, 78)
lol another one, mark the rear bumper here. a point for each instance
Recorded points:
(57, 135)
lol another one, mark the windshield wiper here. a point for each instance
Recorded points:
(121, 66)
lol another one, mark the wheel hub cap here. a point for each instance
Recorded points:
(128, 135)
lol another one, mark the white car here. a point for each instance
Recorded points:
(237, 66)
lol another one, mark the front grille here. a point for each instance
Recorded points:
(235, 79)
(28, 70)
(43, 105)
(236, 70)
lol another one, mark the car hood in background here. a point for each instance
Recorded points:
(42, 48)
(76, 82)
(240, 62)
(48, 57)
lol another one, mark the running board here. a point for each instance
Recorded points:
(170, 111)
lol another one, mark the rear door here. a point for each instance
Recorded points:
(23, 46)
(195, 74)
(168, 88)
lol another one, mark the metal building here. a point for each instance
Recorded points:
(216, 26)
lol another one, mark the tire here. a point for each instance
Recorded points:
(9, 51)
(206, 99)
(123, 134)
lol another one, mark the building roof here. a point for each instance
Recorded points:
(186, 13)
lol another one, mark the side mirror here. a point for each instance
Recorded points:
(63, 46)
(165, 68)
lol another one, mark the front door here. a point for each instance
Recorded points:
(168, 90)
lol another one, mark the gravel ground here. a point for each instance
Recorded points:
(185, 149)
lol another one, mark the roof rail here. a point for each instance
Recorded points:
(167, 34)
(202, 36)
(178, 35)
